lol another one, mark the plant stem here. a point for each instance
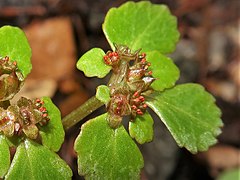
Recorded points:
(81, 112)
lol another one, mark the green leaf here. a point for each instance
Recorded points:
(231, 174)
(103, 94)
(4, 156)
(36, 162)
(142, 128)
(92, 63)
(53, 133)
(13, 43)
(142, 25)
(190, 114)
(163, 69)
(106, 153)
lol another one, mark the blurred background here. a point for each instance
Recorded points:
(60, 31)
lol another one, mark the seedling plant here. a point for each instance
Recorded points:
(143, 77)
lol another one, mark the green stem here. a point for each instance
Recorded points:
(81, 112)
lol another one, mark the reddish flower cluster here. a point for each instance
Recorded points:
(139, 80)
(10, 78)
(138, 105)
(23, 118)
(6, 66)
(39, 105)
(111, 58)
(128, 85)
(139, 69)
(119, 105)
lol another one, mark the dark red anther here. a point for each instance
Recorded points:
(143, 60)
(110, 54)
(136, 94)
(42, 109)
(38, 100)
(139, 112)
(120, 102)
(6, 58)
(44, 115)
(105, 57)
(141, 98)
(150, 73)
(143, 55)
(4, 120)
(149, 64)
(134, 107)
(144, 106)
(15, 63)
(137, 100)
(115, 54)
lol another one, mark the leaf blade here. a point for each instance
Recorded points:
(53, 133)
(190, 115)
(163, 69)
(141, 25)
(13, 43)
(105, 153)
(36, 162)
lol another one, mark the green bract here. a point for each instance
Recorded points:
(53, 133)
(103, 94)
(92, 64)
(142, 128)
(142, 25)
(190, 115)
(14, 44)
(106, 153)
(36, 162)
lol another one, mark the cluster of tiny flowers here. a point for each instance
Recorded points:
(45, 118)
(23, 118)
(139, 80)
(129, 100)
(111, 58)
(138, 105)
(10, 78)
(7, 65)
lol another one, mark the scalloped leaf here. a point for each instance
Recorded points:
(142, 25)
(4, 156)
(36, 162)
(92, 63)
(142, 128)
(103, 94)
(163, 69)
(53, 133)
(190, 114)
(106, 153)
(13, 43)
